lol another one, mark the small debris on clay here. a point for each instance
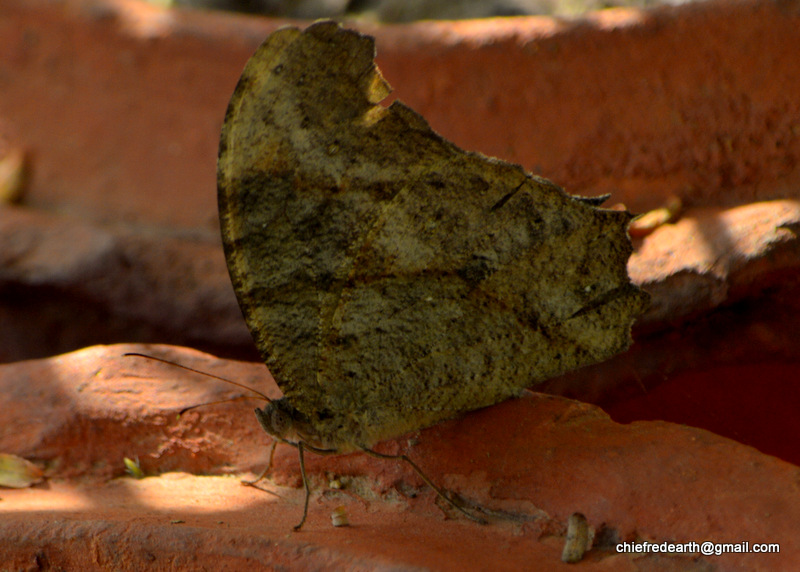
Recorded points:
(579, 539)
(339, 516)
(133, 469)
(18, 473)
(651, 220)
(12, 175)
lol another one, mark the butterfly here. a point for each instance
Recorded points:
(391, 280)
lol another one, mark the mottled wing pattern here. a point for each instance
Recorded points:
(389, 278)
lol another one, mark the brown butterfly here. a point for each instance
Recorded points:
(390, 279)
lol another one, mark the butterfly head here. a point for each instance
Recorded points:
(282, 421)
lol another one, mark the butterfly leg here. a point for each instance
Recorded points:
(305, 484)
(425, 478)
(265, 471)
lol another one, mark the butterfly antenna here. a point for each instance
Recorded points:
(211, 375)
(240, 398)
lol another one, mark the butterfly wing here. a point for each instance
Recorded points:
(477, 280)
(389, 278)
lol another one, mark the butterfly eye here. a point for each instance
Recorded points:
(280, 421)
(275, 419)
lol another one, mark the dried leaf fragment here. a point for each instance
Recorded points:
(133, 469)
(12, 176)
(18, 473)
(578, 539)
(651, 220)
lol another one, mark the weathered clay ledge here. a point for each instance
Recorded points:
(78, 283)
(153, 285)
(532, 461)
(120, 104)
(123, 126)
(714, 257)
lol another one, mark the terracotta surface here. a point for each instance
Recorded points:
(118, 107)
(120, 103)
(68, 283)
(529, 463)
(754, 404)
(80, 282)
